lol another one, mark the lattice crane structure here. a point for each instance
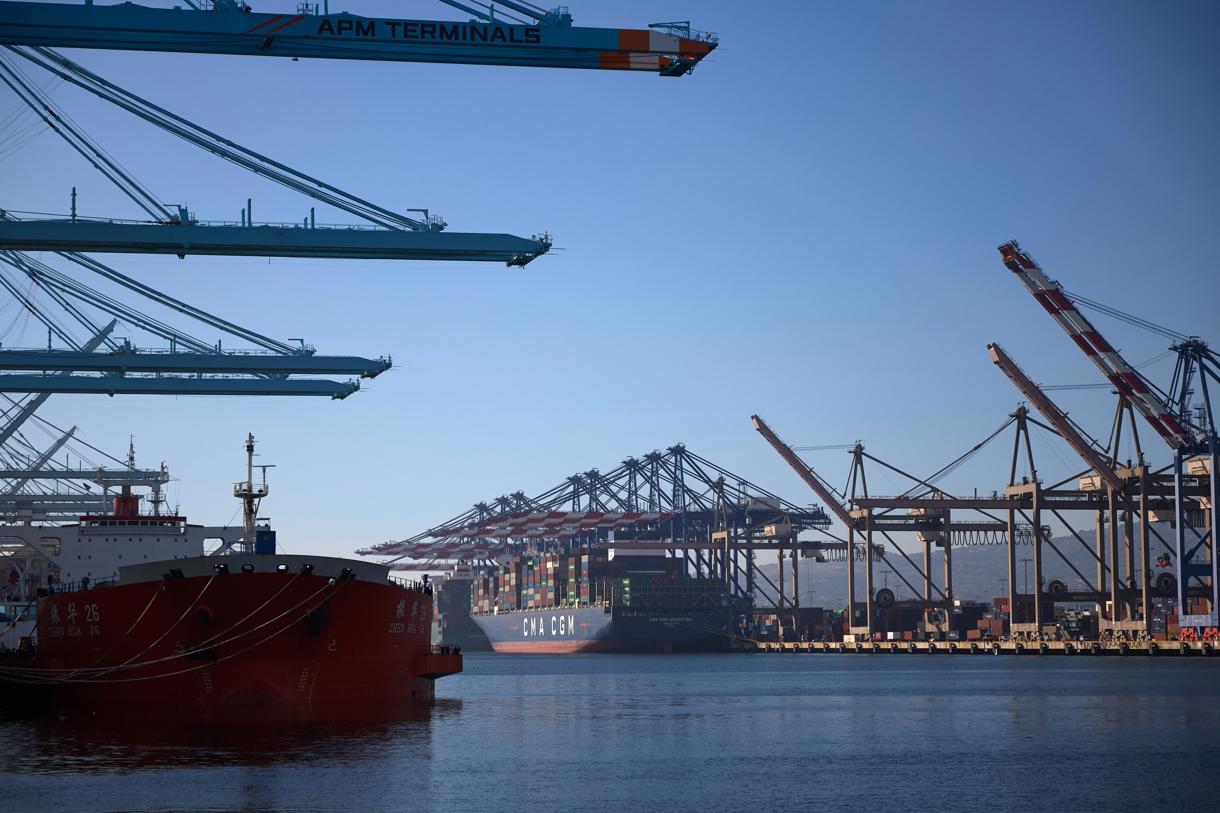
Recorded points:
(673, 501)
(1129, 502)
(1189, 432)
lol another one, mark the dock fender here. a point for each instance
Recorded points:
(995, 649)
(1043, 648)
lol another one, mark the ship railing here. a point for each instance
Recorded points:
(75, 586)
(193, 221)
(410, 584)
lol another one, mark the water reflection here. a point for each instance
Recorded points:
(83, 743)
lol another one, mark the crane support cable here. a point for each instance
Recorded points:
(1127, 380)
(75, 312)
(57, 428)
(216, 144)
(32, 307)
(1131, 319)
(168, 301)
(958, 462)
(94, 297)
(58, 121)
(65, 303)
(486, 12)
(49, 276)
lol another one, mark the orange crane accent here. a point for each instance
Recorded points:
(1125, 378)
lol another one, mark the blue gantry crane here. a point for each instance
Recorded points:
(523, 34)
(513, 33)
(107, 365)
(505, 33)
(387, 235)
(37, 484)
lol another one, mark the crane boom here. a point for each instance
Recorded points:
(282, 240)
(36, 400)
(1055, 416)
(804, 472)
(1126, 379)
(229, 27)
(19, 482)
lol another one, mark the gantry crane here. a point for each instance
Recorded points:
(675, 501)
(508, 33)
(39, 485)
(511, 33)
(389, 235)
(930, 519)
(1115, 484)
(523, 35)
(115, 366)
(1186, 436)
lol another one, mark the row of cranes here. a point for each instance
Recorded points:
(1135, 558)
(91, 310)
(675, 503)
(62, 480)
(1125, 501)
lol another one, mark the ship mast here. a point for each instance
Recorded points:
(250, 495)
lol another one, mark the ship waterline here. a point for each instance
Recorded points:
(606, 629)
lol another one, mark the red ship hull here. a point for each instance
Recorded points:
(237, 643)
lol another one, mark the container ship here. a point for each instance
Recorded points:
(602, 600)
(124, 612)
(454, 626)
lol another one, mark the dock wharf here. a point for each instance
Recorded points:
(1083, 648)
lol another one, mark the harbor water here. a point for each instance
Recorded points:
(683, 732)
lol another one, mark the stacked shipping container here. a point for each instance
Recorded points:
(542, 580)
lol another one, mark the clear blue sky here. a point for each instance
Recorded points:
(804, 228)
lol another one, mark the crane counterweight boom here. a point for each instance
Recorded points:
(1125, 378)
